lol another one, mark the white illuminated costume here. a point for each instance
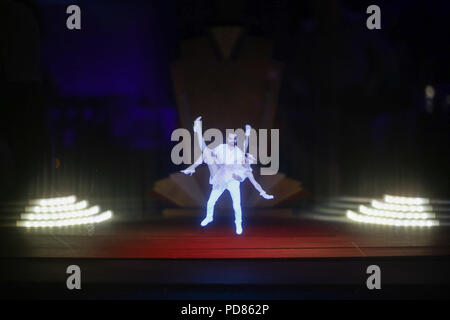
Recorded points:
(228, 166)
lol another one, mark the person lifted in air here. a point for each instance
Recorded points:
(228, 166)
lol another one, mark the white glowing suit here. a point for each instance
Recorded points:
(228, 167)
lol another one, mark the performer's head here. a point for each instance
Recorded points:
(232, 140)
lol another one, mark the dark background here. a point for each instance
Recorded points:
(90, 112)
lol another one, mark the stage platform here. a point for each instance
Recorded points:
(263, 237)
(163, 254)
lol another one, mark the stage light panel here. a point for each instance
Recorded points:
(400, 207)
(55, 201)
(66, 222)
(60, 212)
(405, 200)
(61, 215)
(395, 214)
(58, 208)
(391, 222)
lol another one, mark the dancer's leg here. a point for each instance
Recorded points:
(258, 186)
(215, 194)
(191, 169)
(247, 135)
(199, 131)
(235, 192)
(208, 157)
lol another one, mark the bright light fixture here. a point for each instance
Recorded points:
(429, 91)
(59, 212)
(405, 200)
(58, 208)
(66, 222)
(395, 214)
(61, 215)
(400, 207)
(396, 211)
(54, 201)
(391, 222)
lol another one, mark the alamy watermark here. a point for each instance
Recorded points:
(187, 150)
(74, 280)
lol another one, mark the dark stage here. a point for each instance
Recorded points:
(184, 238)
(275, 258)
(319, 128)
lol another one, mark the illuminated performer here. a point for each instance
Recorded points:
(228, 167)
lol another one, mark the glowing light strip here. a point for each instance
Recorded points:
(405, 200)
(61, 215)
(60, 208)
(54, 201)
(391, 222)
(398, 207)
(394, 214)
(66, 222)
